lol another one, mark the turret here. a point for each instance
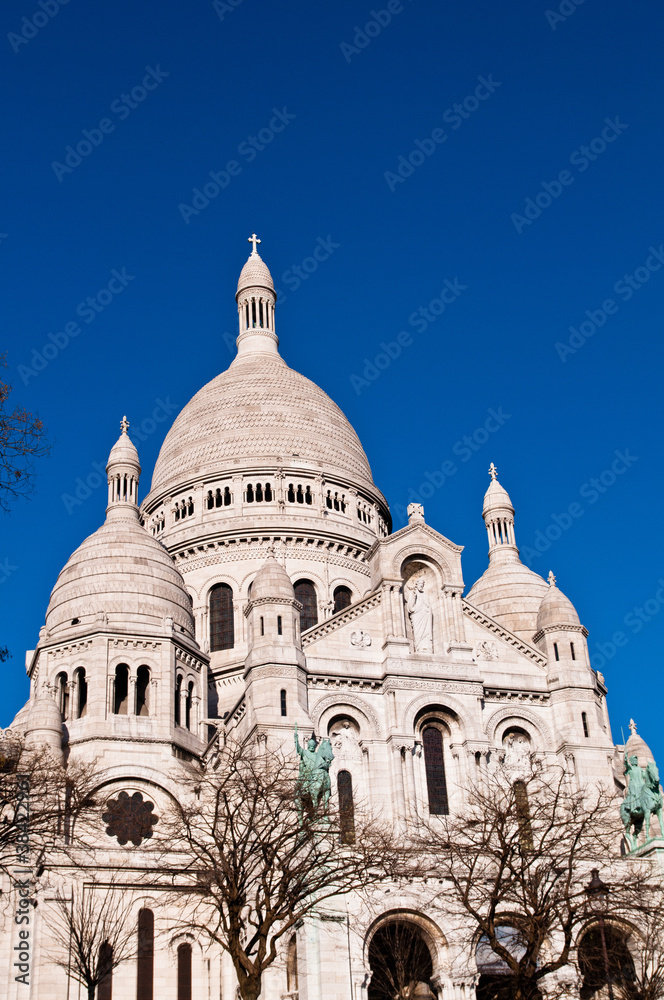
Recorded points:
(274, 668)
(123, 471)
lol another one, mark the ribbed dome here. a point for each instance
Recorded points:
(259, 412)
(123, 573)
(512, 594)
(272, 580)
(636, 746)
(556, 609)
(255, 273)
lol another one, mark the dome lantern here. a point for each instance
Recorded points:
(256, 300)
(123, 471)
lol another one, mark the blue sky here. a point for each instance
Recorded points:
(503, 155)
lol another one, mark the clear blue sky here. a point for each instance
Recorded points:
(533, 202)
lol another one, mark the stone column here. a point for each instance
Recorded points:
(386, 605)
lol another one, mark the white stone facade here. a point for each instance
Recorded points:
(261, 465)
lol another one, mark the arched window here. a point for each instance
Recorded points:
(178, 699)
(188, 705)
(81, 692)
(121, 690)
(346, 808)
(250, 493)
(280, 626)
(584, 720)
(571, 649)
(555, 651)
(227, 496)
(268, 492)
(145, 956)
(305, 593)
(184, 972)
(292, 985)
(222, 630)
(399, 958)
(282, 699)
(593, 960)
(143, 691)
(62, 695)
(432, 741)
(342, 598)
(523, 815)
(291, 493)
(105, 988)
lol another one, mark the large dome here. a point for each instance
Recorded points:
(123, 576)
(259, 412)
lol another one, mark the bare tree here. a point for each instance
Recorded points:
(254, 868)
(516, 866)
(40, 802)
(22, 440)
(94, 934)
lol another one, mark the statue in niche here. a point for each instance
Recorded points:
(421, 619)
(344, 741)
(516, 755)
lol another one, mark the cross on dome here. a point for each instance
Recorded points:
(493, 472)
(253, 239)
(551, 579)
(124, 425)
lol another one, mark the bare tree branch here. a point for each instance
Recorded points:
(22, 440)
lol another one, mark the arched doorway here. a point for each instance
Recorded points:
(496, 981)
(593, 962)
(401, 963)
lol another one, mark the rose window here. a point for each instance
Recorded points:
(129, 818)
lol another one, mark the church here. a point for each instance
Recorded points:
(259, 585)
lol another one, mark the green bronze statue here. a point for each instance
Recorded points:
(643, 799)
(313, 783)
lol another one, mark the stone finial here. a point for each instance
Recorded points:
(253, 239)
(415, 512)
(124, 425)
(493, 472)
(551, 580)
(632, 727)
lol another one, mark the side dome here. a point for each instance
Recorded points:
(259, 412)
(124, 577)
(636, 746)
(272, 581)
(512, 595)
(556, 609)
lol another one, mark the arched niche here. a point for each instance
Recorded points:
(405, 954)
(421, 595)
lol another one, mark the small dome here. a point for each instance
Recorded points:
(124, 451)
(272, 580)
(556, 609)
(636, 746)
(255, 274)
(123, 576)
(496, 497)
(43, 716)
(511, 594)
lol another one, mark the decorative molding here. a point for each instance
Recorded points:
(211, 553)
(517, 712)
(520, 644)
(516, 697)
(560, 628)
(342, 618)
(331, 701)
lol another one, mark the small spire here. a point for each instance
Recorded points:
(632, 727)
(493, 472)
(551, 579)
(253, 239)
(124, 425)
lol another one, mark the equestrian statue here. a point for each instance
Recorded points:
(643, 799)
(313, 782)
